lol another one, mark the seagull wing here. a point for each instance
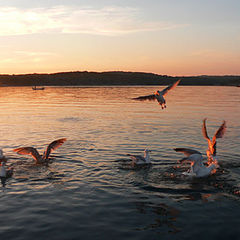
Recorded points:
(137, 157)
(205, 135)
(204, 130)
(212, 145)
(219, 134)
(29, 151)
(52, 146)
(172, 86)
(187, 151)
(144, 98)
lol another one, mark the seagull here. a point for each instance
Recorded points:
(4, 173)
(159, 95)
(35, 154)
(212, 144)
(138, 160)
(198, 169)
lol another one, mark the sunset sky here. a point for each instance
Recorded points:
(172, 37)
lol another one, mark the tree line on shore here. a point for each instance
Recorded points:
(115, 78)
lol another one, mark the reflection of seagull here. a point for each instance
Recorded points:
(34, 152)
(197, 167)
(159, 95)
(212, 145)
(138, 160)
(4, 173)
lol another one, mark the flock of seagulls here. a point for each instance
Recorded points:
(197, 166)
(194, 157)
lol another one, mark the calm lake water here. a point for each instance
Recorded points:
(85, 193)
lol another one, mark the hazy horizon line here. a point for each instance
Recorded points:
(91, 71)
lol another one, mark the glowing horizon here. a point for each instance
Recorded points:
(175, 39)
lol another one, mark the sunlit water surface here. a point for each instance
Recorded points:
(85, 193)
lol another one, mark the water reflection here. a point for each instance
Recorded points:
(85, 182)
(163, 217)
(172, 183)
(35, 176)
(3, 181)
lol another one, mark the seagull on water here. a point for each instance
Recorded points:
(159, 95)
(198, 169)
(4, 173)
(212, 144)
(138, 160)
(35, 154)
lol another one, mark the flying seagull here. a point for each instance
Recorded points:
(198, 169)
(212, 144)
(138, 160)
(35, 154)
(159, 95)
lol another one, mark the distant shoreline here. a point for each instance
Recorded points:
(114, 78)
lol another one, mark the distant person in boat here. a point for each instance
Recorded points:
(38, 88)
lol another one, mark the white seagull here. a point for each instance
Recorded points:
(35, 154)
(4, 173)
(159, 95)
(212, 144)
(138, 160)
(198, 169)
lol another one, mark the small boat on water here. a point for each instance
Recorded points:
(38, 88)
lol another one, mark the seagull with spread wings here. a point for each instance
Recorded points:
(159, 95)
(198, 169)
(212, 144)
(35, 154)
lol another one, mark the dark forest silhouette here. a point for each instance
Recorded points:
(112, 78)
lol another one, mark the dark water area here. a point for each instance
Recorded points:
(86, 193)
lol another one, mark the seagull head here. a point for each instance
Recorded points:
(147, 150)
